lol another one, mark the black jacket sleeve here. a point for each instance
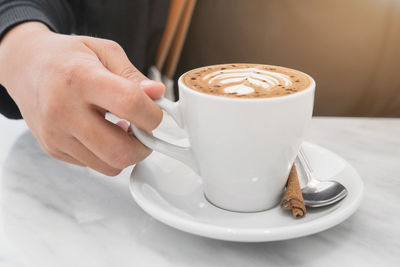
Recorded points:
(56, 14)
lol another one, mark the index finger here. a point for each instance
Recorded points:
(122, 97)
(113, 57)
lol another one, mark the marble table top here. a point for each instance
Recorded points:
(56, 214)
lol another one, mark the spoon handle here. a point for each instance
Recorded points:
(306, 165)
(304, 160)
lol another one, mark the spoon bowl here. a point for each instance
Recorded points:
(319, 193)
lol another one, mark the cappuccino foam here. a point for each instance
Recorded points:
(246, 80)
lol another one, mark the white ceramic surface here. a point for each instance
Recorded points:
(172, 193)
(55, 214)
(243, 148)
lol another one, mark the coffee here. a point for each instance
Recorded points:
(246, 80)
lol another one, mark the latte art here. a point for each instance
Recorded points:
(246, 80)
(243, 81)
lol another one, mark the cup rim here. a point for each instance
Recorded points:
(311, 87)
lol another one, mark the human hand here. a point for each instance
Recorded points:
(63, 86)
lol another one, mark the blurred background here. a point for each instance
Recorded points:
(351, 48)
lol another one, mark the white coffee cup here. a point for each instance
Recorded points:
(243, 148)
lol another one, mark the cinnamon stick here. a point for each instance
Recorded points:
(293, 198)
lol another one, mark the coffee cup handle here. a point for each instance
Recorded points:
(183, 154)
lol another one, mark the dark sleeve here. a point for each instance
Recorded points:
(56, 14)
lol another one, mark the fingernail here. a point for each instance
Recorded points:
(148, 83)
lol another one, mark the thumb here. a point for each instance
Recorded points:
(114, 58)
(153, 89)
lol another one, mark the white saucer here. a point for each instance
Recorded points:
(172, 193)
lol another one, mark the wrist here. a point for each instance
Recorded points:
(23, 30)
(14, 42)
